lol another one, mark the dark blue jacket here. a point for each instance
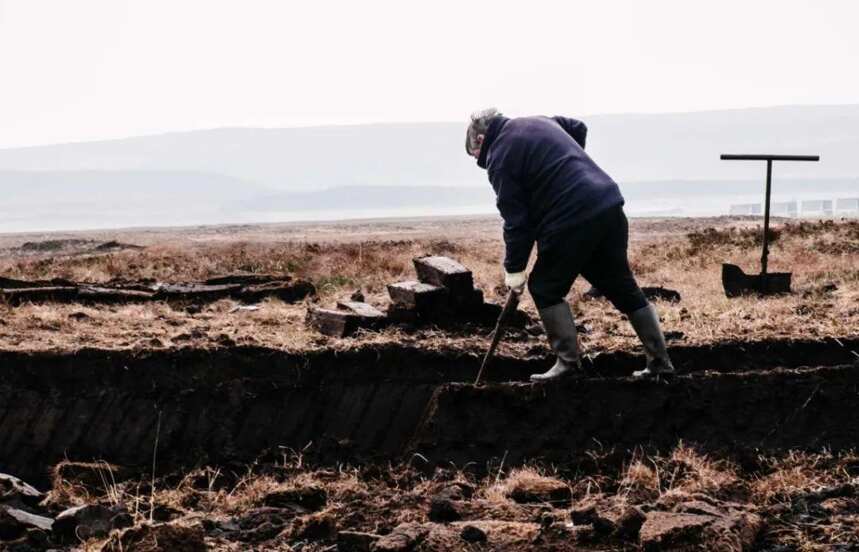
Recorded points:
(544, 181)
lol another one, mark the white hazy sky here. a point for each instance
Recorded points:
(88, 69)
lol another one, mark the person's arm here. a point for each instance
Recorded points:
(577, 129)
(512, 202)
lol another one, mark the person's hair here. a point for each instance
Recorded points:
(479, 124)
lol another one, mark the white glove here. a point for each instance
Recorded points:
(516, 281)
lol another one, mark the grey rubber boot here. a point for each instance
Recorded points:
(561, 330)
(645, 321)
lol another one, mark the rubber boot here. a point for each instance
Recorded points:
(561, 331)
(645, 321)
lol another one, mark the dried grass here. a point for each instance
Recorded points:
(376, 499)
(662, 253)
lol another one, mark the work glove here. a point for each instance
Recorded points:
(515, 281)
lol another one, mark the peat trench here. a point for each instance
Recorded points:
(390, 402)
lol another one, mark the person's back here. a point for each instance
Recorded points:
(543, 177)
(550, 191)
(547, 157)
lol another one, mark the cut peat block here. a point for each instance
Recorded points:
(12, 283)
(336, 323)
(246, 279)
(195, 291)
(286, 290)
(447, 273)
(370, 317)
(17, 296)
(96, 294)
(349, 318)
(247, 288)
(361, 309)
(418, 296)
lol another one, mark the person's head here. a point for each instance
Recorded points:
(476, 132)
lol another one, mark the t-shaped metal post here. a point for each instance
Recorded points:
(769, 159)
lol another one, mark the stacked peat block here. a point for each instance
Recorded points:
(443, 293)
(452, 276)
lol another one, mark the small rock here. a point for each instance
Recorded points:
(315, 528)
(14, 491)
(404, 537)
(357, 296)
(258, 516)
(587, 514)
(456, 491)
(355, 541)
(540, 489)
(443, 510)
(664, 530)
(470, 533)
(306, 499)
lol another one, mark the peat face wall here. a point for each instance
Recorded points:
(385, 401)
(215, 405)
(770, 410)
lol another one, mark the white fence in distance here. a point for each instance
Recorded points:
(841, 207)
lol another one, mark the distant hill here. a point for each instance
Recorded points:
(55, 200)
(230, 174)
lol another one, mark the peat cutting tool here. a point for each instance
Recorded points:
(734, 280)
(510, 305)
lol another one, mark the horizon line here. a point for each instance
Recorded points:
(404, 123)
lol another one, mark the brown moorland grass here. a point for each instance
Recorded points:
(683, 255)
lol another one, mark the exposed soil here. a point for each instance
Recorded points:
(384, 402)
(375, 449)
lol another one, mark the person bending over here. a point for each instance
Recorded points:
(549, 191)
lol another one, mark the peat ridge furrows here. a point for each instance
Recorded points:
(362, 403)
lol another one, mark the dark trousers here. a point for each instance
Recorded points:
(596, 249)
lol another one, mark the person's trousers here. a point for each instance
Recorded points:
(596, 249)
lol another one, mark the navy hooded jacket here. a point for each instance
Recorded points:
(543, 180)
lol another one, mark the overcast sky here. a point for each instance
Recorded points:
(89, 69)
